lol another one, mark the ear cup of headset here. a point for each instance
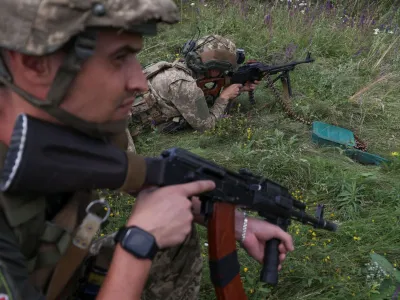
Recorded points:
(188, 47)
(193, 61)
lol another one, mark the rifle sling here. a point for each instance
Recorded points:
(74, 256)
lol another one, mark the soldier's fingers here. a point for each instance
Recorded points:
(286, 238)
(192, 188)
(282, 257)
(282, 248)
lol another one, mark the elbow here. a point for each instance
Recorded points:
(209, 124)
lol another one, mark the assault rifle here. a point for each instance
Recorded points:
(254, 70)
(249, 72)
(45, 158)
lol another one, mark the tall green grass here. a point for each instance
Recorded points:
(352, 83)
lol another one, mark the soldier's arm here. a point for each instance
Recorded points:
(189, 99)
(14, 284)
(126, 277)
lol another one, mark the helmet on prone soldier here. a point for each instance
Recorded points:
(212, 52)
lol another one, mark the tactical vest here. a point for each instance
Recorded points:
(147, 107)
(44, 236)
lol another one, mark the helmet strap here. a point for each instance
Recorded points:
(82, 48)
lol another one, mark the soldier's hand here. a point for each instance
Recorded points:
(166, 212)
(258, 233)
(231, 92)
(250, 86)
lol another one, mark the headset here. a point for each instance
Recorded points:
(193, 59)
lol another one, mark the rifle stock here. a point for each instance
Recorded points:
(214, 91)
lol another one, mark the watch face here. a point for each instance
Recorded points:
(138, 242)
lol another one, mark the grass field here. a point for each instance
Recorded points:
(353, 83)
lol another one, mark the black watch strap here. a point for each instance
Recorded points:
(137, 241)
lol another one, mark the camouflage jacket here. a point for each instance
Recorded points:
(174, 97)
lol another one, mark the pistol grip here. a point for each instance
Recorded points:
(269, 272)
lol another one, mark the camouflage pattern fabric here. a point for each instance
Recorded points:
(216, 52)
(215, 42)
(40, 27)
(175, 273)
(176, 95)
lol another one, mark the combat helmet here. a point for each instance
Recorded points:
(211, 52)
(41, 27)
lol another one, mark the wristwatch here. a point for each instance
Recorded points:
(137, 241)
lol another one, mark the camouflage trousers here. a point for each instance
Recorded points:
(175, 273)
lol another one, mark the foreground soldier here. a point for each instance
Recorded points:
(175, 101)
(70, 62)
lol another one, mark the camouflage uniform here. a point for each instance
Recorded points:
(174, 98)
(175, 272)
(31, 242)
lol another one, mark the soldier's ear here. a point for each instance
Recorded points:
(39, 70)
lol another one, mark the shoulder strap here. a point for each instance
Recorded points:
(76, 253)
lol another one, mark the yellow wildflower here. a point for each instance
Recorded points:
(245, 269)
(356, 238)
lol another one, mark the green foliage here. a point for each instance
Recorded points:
(354, 84)
(382, 277)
